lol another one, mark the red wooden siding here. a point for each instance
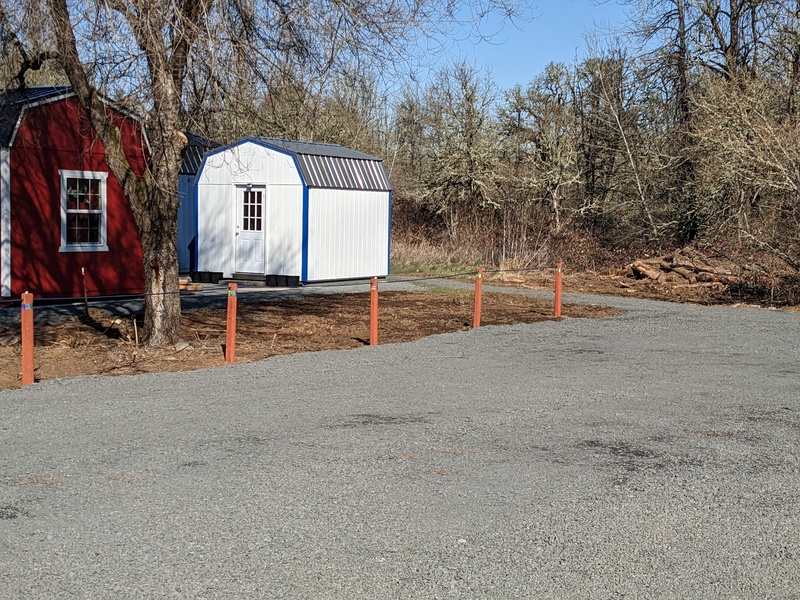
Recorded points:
(53, 137)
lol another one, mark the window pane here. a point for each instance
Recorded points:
(83, 228)
(93, 194)
(83, 194)
(72, 193)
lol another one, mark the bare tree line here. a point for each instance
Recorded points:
(681, 129)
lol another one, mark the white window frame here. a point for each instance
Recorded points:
(102, 244)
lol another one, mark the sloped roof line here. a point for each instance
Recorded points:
(194, 152)
(14, 102)
(331, 165)
(313, 148)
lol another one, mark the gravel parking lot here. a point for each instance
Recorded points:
(652, 455)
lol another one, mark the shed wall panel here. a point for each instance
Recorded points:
(243, 164)
(187, 220)
(249, 163)
(348, 234)
(216, 211)
(284, 230)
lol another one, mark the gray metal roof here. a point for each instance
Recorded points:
(13, 102)
(194, 152)
(333, 166)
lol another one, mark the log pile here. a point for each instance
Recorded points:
(186, 285)
(685, 267)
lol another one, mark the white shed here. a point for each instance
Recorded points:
(292, 212)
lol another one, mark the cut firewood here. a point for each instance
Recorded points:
(711, 277)
(662, 262)
(644, 270)
(684, 272)
(687, 265)
(682, 262)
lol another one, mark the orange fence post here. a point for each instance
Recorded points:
(27, 338)
(230, 332)
(557, 309)
(373, 311)
(476, 313)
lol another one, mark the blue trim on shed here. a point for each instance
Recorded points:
(389, 240)
(304, 250)
(196, 200)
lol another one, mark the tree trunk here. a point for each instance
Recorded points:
(153, 196)
(157, 220)
(794, 69)
(689, 222)
(162, 316)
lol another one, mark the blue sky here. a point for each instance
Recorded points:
(555, 34)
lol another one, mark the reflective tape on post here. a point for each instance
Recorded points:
(476, 312)
(26, 319)
(230, 331)
(557, 307)
(373, 311)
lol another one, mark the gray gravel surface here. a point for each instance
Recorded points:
(652, 455)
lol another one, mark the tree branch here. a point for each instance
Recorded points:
(28, 62)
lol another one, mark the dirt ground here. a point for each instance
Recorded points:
(102, 344)
(106, 345)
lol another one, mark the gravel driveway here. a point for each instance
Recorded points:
(652, 455)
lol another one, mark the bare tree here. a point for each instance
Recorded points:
(460, 146)
(540, 131)
(752, 165)
(153, 196)
(730, 35)
(144, 50)
(30, 54)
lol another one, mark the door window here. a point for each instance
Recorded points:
(251, 210)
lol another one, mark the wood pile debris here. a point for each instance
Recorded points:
(685, 268)
(186, 285)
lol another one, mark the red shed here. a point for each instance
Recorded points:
(64, 221)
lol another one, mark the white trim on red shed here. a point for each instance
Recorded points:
(5, 223)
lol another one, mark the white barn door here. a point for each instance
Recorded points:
(250, 229)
